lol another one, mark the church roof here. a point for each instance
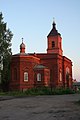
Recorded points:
(40, 66)
(53, 32)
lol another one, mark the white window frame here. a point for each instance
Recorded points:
(25, 76)
(38, 77)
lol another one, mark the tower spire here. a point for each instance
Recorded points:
(53, 32)
(54, 41)
(22, 40)
(54, 24)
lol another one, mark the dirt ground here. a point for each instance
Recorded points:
(57, 107)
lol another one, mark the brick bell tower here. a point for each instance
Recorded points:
(54, 41)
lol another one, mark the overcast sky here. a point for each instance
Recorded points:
(32, 20)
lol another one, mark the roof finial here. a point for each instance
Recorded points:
(53, 20)
(54, 24)
(22, 40)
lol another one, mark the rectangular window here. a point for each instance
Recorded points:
(25, 76)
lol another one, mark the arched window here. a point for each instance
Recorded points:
(38, 77)
(53, 44)
(67, 73)
(67, 70)
(25, 76)
(60, 76)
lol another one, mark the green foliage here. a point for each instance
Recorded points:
(61, 91)
(5, 38)
(5, 51)
(40, 91)
(48, 91)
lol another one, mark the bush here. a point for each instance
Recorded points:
(40, 91)
(61, 91)
(48, 91)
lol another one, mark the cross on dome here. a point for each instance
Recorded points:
(22, 40)
(54, 24)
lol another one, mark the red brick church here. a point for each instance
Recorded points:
(50, 69)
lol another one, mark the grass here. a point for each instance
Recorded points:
(39, 91)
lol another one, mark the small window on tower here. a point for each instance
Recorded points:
(60, 45)
(53, 44)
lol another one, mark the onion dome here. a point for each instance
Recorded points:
(22, 47)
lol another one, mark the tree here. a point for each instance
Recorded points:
(5, 51)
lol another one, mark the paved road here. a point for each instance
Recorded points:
(57, 107)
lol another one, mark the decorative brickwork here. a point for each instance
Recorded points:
(50, 69)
